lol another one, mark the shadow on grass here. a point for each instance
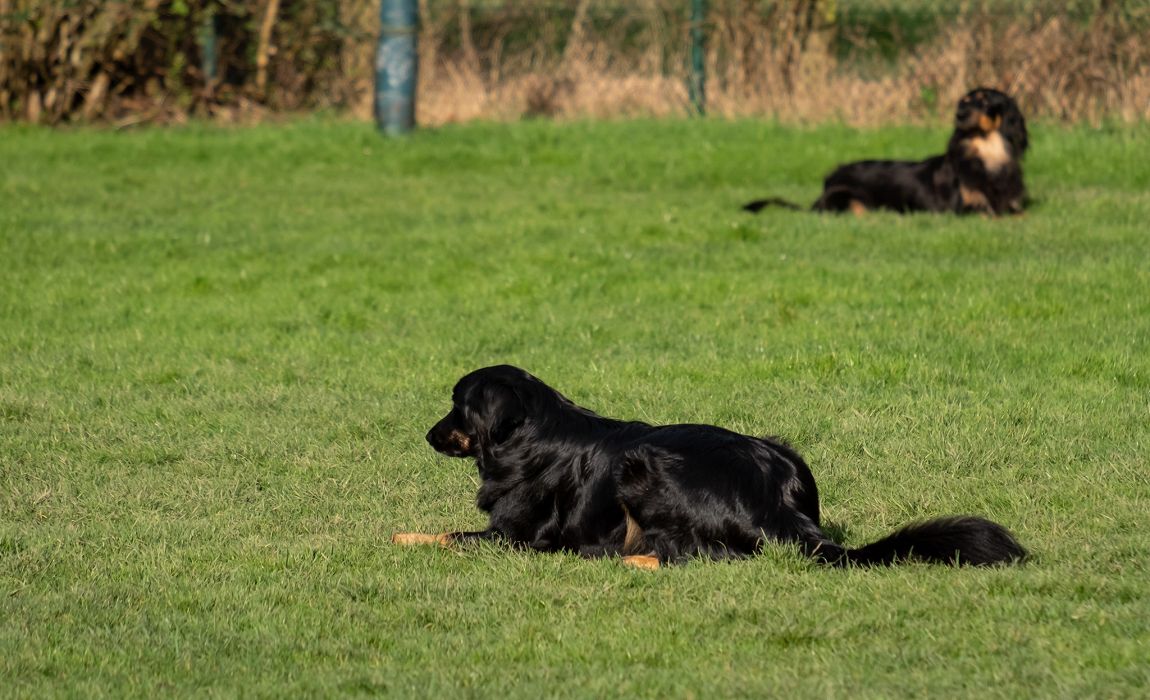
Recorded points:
(838, 532)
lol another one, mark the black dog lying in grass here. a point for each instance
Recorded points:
(980, 171)
(554, 476)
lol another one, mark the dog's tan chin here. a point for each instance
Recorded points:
(461, 440)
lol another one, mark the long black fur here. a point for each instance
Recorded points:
(555, 476)
(980, 172)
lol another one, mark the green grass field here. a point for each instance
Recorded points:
(221, 349)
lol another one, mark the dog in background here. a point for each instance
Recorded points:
(558, 477)
(980, 172)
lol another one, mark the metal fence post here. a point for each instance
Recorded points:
(697, 82)
(209, 60)
(396, 66)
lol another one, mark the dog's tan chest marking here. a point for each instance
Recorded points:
(991, 150)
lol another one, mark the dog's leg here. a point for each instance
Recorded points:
(443, 539)
(974, 200)
(466, 537)
(633, 541)
(409, 539)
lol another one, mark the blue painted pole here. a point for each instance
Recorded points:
(209, 61)
(697, 82)
(396, 66)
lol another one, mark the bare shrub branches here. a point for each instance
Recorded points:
(795, 60)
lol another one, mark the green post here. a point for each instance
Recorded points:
(396, 65)
(697, 82)
(208, 58)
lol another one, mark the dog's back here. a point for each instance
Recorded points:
(901, 186)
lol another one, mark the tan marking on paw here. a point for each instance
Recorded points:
(642, 561)
(975, 199)
(411, 539)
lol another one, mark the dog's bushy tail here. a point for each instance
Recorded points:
(956, 540)
(759, 204)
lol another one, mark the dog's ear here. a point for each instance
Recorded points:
(1014, 129)
(1012, 124)
(497, 412)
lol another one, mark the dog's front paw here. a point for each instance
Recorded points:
(409, 539)
(642, 561)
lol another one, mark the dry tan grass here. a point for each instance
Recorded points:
(1057, 70)
(596, 59)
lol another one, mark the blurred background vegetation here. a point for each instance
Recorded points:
(856, 61)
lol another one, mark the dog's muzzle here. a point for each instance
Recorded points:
(450, 441)
(966, 118)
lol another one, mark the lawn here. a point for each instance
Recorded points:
(221, 349)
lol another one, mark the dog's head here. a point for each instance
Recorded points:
(488, 405)
(984, 111)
